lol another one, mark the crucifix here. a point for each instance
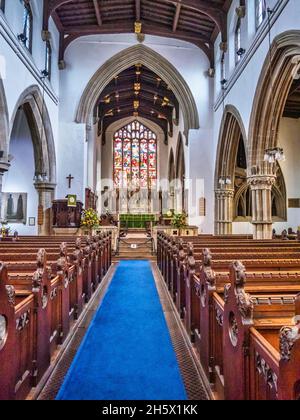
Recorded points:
(70, 178)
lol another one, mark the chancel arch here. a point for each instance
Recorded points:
(269, 128)
(132, 56)
(32, 158)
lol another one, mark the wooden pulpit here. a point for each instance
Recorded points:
(65, 216)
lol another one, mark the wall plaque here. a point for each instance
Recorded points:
(202, 207)
(294, 203)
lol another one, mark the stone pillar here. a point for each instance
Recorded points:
(261, 190)
(46, 196)
(4, 166)
(224, 211)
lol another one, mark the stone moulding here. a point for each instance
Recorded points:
(155, 62)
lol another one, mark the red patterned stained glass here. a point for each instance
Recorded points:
(135, 157)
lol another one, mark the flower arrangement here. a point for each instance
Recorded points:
(170, 213)
(89, 219)
(179, 220)
(4, 230)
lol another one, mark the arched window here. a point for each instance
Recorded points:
(260, 11)
(223, 71)
(27, 25)
(2, 5)
(238, 42)
(135, 157)
(48, 60)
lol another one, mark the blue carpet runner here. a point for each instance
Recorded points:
(127, 353)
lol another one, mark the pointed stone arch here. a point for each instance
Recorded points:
(270, 98)
(32, 103)
(232, 128)
(155, 62)
(4, 123)
(268, 107)
(231, 132)
(31, 100)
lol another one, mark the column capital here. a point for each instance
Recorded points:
(261, 182)
(224, 193)
(4, 167)
(44, 186)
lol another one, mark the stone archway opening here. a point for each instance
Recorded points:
(32, 173)
(268, 130)
(139, 54)
(231, 169)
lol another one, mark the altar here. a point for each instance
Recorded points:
(137, 220)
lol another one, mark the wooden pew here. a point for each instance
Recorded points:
(258, 333)
(37, 297)
(266, 274)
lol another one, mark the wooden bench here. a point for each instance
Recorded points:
(42, 289)
(196, 282)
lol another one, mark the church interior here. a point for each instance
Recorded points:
(149, 202)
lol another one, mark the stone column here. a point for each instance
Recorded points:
(261, 190)
(224, 211)
(46, 196)
(4, 166)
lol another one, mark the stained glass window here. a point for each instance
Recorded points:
(135, 157)
(28, 25)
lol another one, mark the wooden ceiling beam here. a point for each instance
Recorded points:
(98, 12)
(177, 16)
(138, 10)
(211, 9)
(147, 87)
(144, 103)
(194, 20)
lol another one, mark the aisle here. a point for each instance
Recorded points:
(127, 353)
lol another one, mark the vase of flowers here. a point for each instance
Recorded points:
(4, 230)
(89, 220)
(179, 220)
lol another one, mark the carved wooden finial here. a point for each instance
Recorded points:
(78, 243)
(239, 274)
(41, 258)
(238, 281)
(290, 335)
(11, 295)
(206, 257)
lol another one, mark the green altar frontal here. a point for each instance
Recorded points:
(136, 221)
